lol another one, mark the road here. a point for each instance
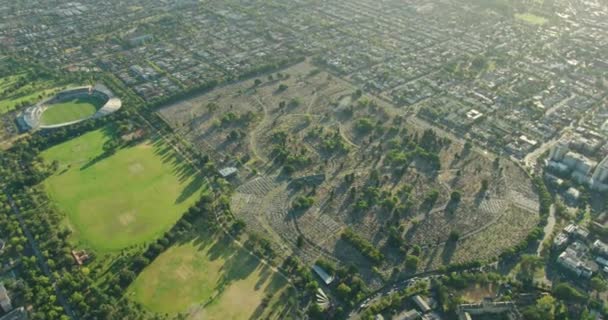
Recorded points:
(388, 290)
(40, 258)
(548, 230)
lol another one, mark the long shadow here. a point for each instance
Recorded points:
(194, 186)
(448, 251)
(221, 249)
(181, 169)
(109, 133)
(265, 274)
(237, 267)
(432, 255)
(96, 160)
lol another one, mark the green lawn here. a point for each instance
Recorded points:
(209, 278)
(128, 198)
(27, 95)
(531, 18)
(75, 109)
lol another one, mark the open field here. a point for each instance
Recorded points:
(127, 198)
(75, 109)
(359, 157)
(209, 278)
(531, 18)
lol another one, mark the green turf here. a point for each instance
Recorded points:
(209, 279)
(531, 18)
(75, 109)
(128, 198)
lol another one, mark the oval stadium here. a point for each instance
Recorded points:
(69, 107)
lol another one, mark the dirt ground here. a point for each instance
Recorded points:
(310, 108)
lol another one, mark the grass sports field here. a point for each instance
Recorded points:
(210, 279)
(75, 109)
(127, 198)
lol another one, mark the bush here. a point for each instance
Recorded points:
(366, 248)
(411, 263)
(566, 292)
(302, 203)
(454, 236)
(364, 125)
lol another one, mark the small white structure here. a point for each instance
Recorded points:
(560, 240)
(17, 314)
(326, 277)
(227, 172)
(474, 114)
(408, 315)
(572, 195)
(600, 247)
(529, 141)
(421, 303)
(322, 299)
(5, 300)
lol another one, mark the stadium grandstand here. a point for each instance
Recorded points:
(31, 117)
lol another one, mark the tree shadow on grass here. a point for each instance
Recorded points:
(448, 251)
(221, 248)
(180, 167)
(193, 187)
(96, 160)
(265, 274)
(237, 266)
(276, 283)
(281, 307)
(109, 134)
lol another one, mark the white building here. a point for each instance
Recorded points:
(227, 172)
(559, 151)
(601, 172)
(571, 260)
(578, 163)
(422, 304)
(600, 247)
(326, 277)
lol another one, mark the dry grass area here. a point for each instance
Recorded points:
(210, 278)
(320, 126)
(476, 293)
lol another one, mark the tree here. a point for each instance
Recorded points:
(282, 87)
(454, 236)
(455, 196)
(411, 263)
(544, 309)
(238, 226)
(126, 276)
(528, 266)
(416, 250)
(566, 292)
(598, 284)
(343, 290)
(364, 125)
